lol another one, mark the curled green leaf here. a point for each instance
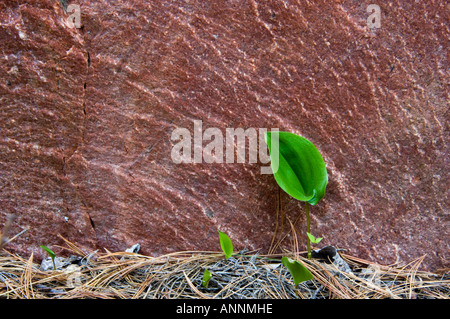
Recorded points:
(226, 244)
(206, 278)
(299, 168)
(51, 254)
(49, 251)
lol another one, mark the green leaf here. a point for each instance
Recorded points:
(299, 169)
(49, 251)
(313, 239)
(51, 254)
(206, 278)
(226, 244)
(299, 272)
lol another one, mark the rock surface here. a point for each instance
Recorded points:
(87, 117)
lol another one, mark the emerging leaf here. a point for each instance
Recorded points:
(313, 239)
(206, 278)
(49, 251)
(226, 244)
(298, 272)
(301, 170)
(51, 254)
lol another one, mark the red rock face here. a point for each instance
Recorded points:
(88, 113)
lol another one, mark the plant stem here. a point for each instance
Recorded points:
(308, 227)
(279, 212)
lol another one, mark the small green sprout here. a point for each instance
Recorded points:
(51, 254)
(298, 272)
(206, 278)
(226, 244)
(313, 239)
